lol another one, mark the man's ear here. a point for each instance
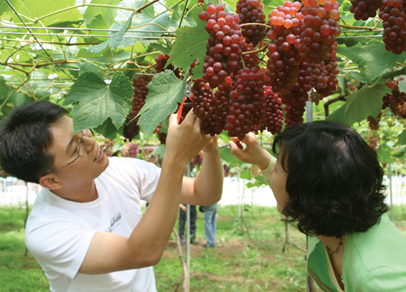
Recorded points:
(50, 181)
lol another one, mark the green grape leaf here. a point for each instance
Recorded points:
(190, 45)
(160, 151)
(365, 102)
(108, 14)
(113, 43)
(177, 15)
(4, 7)
(108, 130)
(158, 47)
(164, 92)
(99, 100)
(145, 22)
(29, 10)
(88, 67)
(385, 153)
(402, 86)
(375, 59)
(402, 138)
(225, 154)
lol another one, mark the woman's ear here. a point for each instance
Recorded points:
(50, 181)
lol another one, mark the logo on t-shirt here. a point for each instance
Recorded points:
(113, 222)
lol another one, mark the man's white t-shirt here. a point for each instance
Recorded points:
(59, 231)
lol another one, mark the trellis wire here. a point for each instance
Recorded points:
(84, 35)
(83, 29)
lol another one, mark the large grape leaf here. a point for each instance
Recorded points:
(99, 100)
(375, 59)
(190, 45)
(366, 102)
(164, 92)
(4, 7)
(29, 10)
(385, 153)
(112, 43)
(108, 14)
(177, 16)
(145, 22)
(402, 138)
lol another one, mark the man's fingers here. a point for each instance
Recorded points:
(173, 120)
(190, 117)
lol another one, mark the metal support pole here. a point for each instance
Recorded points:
(187, 278)
(390, 192)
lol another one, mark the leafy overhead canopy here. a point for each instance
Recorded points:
(190, 45)
(31, 10)
(375, 59)
(165, 91)
(99, 100)
(107, 14)
(113, 43)
(365, 102)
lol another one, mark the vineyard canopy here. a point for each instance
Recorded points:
(84, 54)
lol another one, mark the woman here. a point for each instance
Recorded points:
(329, 181)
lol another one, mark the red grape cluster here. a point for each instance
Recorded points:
(250, 59)
(131, 129)
(319, 30)
(130, 150)
(394, 18)
(252, 13)
(364, 9)
(161, 61)
(224, 45)
(396, 101)
(374, 123)
(210, 106)
(272, 111)
(284, 58)
(245, 103)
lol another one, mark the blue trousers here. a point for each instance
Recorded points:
(210, 222)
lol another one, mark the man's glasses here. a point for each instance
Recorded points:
(80, 149)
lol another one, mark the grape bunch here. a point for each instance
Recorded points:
(245, 103)
(272, 111)
(252, 11)
(364, 9)
(131, 129)
(284, 58)
(396, 101)
(130, 150)
(394, 18)
(319, 30)
(160, 63)
(224, 45)
(374, 123)
(209, 106)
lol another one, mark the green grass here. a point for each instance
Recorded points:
(239, 263)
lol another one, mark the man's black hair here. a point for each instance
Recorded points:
(334, 179)
(25, 137)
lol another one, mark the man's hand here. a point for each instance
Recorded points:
(186, 140)
(253, 153)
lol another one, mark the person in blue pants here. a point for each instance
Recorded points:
(210, 222)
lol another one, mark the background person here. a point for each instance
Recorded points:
(182, 222)
(210, 224)
(329, 182)
(86, 228)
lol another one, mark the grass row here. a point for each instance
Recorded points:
(248, 256)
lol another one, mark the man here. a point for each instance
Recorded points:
(86, 228)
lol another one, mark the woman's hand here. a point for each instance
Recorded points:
(253, 153)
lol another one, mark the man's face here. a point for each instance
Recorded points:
(85, 168)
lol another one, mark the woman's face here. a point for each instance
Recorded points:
(278, 184)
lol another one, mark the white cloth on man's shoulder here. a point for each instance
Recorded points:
(59, 231)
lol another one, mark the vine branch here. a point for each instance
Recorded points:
(331, 101)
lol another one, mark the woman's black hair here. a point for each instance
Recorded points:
(334, 179)
(25, 137)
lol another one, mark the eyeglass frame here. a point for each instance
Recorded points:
(80, 141)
